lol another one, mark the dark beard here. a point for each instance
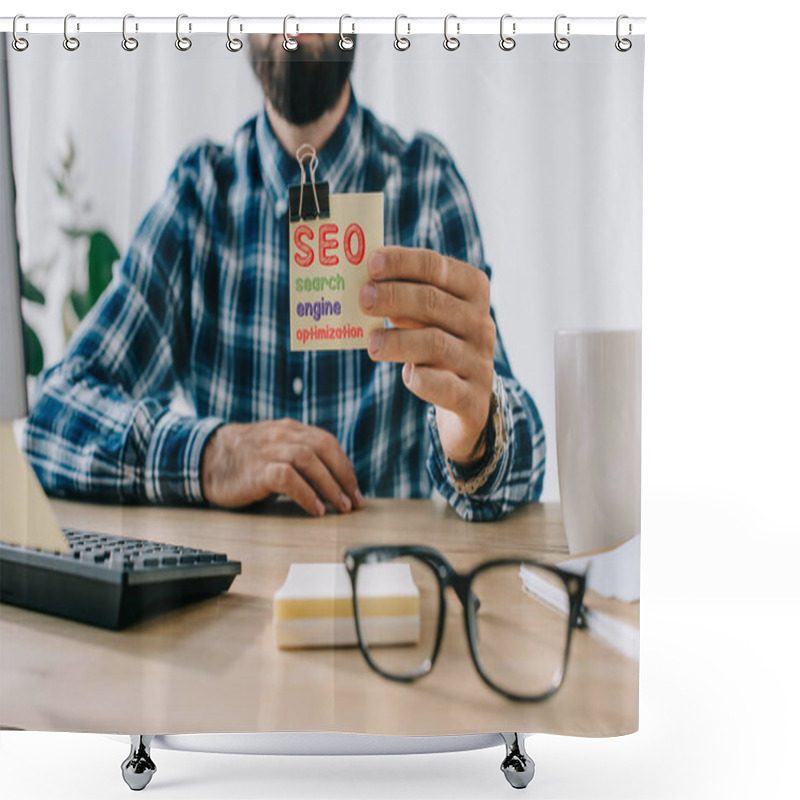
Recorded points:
(301, 87)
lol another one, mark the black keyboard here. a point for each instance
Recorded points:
(111, 581)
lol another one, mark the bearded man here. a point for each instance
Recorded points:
(199, 308)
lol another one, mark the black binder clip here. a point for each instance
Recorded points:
(305, 204)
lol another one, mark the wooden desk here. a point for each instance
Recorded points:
(214, 666)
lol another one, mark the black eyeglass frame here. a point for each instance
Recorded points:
(575, 586)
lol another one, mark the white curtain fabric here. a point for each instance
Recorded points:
(549, 144)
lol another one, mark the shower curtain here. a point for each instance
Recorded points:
(366, 317)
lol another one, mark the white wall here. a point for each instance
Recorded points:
(549, 144)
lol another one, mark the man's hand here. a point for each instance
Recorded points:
(244, 463)
(443, 333)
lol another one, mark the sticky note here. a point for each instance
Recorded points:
(314, 607)
(26, 518)
(328, 267)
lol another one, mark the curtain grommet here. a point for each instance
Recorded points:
(345, 42)
(561, 43)
(401, 43)
(623, 44)
(290, 44)
(183, 43)
(451, 43)
(19, 43)
(507, 43)
(233, 44)
(71, 43)
(129, 43)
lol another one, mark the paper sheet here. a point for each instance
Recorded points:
(26, 518)
(328, 267)
(614, 573)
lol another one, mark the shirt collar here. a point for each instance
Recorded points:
(338, 159)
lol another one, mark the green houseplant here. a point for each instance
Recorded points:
(93, 274)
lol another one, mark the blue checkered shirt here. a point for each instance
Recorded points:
(199, 309)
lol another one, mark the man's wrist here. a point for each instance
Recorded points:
(469, 478)
(480, 454)
(174, 458)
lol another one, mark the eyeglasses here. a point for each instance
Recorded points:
(519, 616)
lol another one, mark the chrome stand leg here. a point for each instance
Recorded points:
(517, 766)
(138, 768)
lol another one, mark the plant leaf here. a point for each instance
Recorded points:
(76, 233)
(80, 303)
(30, 291)
(69, 156)
(34, 355)
(102, 255)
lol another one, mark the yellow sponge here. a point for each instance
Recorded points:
(314, 607)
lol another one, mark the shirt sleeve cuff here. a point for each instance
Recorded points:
(174, 458)
(441, 475)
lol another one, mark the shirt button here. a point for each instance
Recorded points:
(297, 386)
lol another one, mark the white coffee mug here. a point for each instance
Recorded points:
(599, 435)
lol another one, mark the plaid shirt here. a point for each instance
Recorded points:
(199, 308)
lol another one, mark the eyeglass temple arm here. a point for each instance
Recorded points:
(578, 609)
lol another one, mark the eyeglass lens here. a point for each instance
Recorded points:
(521, 627)
(398, 606)
(519, 620)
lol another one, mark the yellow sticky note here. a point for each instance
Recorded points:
(328, 267)
(26, 518)
(314, 607)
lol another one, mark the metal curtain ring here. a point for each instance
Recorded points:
(289, 43)
(345, 42)
(401, 42)
(233, 44)
(451, 43)
(561, 43)
(507, 42)
(19, 43)
(183, 43)
(71, 43)
(129, 43)
(623, 45)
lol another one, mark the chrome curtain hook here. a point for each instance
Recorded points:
(401, 42)
(183, 43)
(561, 43)
(71, 43)
(289, 43)
(451, 43)
(622, 44)
(345, 42)
(129, 43)
(507, 42)
(233, 44)
(19, 43)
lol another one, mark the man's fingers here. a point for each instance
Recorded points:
(425, 266)
(283, 478)
(305, 460)
(440, 388)
(427, 347)
(244, 463)
(422, 303)
(335, 459)
(404, 323)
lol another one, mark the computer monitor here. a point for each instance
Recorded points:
(13, 397)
